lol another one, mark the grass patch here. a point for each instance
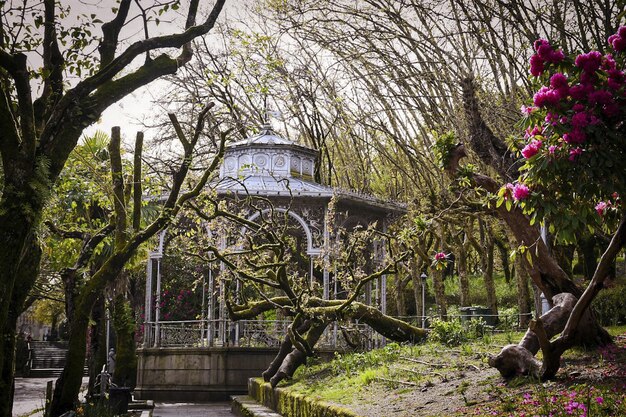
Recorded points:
(407, 371)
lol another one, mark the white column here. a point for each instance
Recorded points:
(157, 256)
(211, 309)
(157, 324)
(147, 325)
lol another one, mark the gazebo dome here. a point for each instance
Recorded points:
(267, 154)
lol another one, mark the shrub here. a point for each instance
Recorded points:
(449, 333)
(610, 306)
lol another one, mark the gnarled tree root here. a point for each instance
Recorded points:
(514, 360)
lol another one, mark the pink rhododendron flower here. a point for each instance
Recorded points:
(580, 120)
(589, 62)
(616, 79)
(558, 80)
(601, 208)
(581, 91)
(618, 41)
(440, 256)
(546, 97)
(531, 149)
(520, 192)
(600, 97)
(536, 66)
(527, 109)
(575, 153)
(575, 136)
(552, 149)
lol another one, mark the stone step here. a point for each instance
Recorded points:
(246, 406)
(45, 373)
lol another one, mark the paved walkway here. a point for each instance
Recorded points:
(30, 395)
(192, 410)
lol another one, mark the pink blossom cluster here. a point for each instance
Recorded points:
(440, 256)
(602, 206)
(531, 149)
(544, 54)
(518, 191)
(618, 40)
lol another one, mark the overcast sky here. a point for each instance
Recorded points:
(137, 107)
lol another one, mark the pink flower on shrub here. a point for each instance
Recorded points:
(527, 109)
(599, 400)
(600, 97)
(531, 149)
(520, 192)
(575, 153)
(440, 256)
(618, 40)
(580, 91)
(616, 79)
(601, 208)
(558, 80)
(546, 97)
(545, 54)
(575, 136)
(589, 62)
(552, 149)
(536, 66)
(580, 120)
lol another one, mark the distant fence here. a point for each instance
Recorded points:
(270, 333)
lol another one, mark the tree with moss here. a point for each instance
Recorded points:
(83, 70)
(572, 177)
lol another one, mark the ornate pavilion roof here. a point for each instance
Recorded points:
(269, 165)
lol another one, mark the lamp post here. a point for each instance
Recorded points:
(423, 277)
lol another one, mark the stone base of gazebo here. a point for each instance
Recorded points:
(198, 374)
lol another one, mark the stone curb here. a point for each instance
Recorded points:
(293, 404)
(246, 406)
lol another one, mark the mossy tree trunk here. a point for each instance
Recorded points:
(490, 285)
(128, 238)
(125, 359)
(97, 349)
(39, 134)
(464, 287)
(440, 295)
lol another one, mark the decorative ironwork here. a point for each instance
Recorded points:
(180, 333)
(254, 333)
(261, 333)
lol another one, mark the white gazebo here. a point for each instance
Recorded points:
(283, 172)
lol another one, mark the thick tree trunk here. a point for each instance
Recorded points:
(285, 348)
(440, 296)
(24, 277)
(8, 364)
(490, 286)
(523, 295)
(97, 348)
(296, 357)
(398, 293)
(125, 358)
(68, 385)
(15, 234)
(463, 278)
(520, 359)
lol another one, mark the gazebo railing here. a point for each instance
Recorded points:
(252, 333)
